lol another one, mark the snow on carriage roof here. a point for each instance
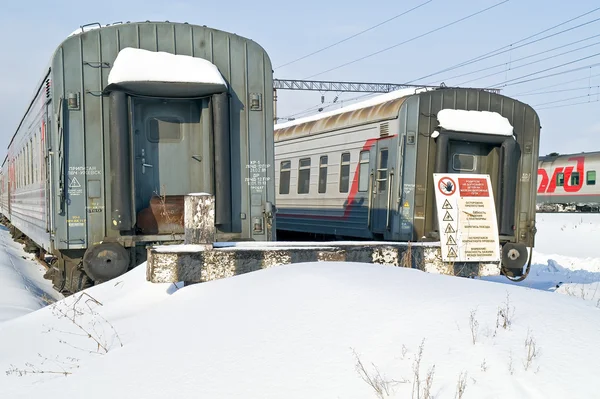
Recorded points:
(137, 65)
(475, 122)
(393, 95)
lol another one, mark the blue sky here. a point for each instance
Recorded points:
(289, 30)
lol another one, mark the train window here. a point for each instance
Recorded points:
(323, 174)
(304, 176)
(591, 178)
(382, 170)
(363, 171)
(560, 179)
(163, 129)
(284, 177)
(463, 162)
(575, 179)
(345, 172)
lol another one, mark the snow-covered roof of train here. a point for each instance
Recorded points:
(137, 65)
(475, 122)
(393, 95)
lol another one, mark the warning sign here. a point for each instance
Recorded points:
(467, 218)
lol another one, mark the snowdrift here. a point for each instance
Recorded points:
(302, 331)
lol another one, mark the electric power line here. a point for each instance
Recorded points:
(355, 35)
(409, 40)
(510, 46)
(526, 57)
(556, 85)
(535, 62)
(566, 99)
(504, 83)
(568, 105)
(560, 91)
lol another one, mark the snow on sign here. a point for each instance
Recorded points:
(466, 218)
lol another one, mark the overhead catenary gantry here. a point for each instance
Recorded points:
(343, 87)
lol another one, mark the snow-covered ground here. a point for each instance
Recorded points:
(303, 330)
(22, 286)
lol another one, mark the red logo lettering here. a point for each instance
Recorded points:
(548, 185)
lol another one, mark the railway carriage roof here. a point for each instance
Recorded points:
(385, 106)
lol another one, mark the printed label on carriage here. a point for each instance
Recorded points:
(466, 214)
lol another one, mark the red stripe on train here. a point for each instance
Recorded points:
(353, 190)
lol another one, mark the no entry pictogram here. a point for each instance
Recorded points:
(447, 186)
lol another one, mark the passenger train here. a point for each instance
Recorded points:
(126, 120)
(567, 183)
(365, 171)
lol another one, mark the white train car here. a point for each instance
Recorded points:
(568, 183)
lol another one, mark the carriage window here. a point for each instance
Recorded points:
(382, 170)
(560, 179)
(284, 177)
(345, 173)
(162, 129)
(575, 179)
(323, 174)
(304, 176)
(463, 162)
(363, 171)
(591, 178)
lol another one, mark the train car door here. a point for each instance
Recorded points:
(382, 207)
(168, 164)
(474, 158)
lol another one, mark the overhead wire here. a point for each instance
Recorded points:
(559, 91)
(507, 82)
(355, 35)
(568, 105)
(556, 85)
(566, 99)
(535, 62)
(409, 40)
(510, 47)
(526, 57)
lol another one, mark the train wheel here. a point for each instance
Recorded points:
(106, 261)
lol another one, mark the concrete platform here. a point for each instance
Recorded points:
(206, 262)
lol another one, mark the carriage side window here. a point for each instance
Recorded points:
(284, 177)
(304, 176)
(560, 179)
(323, 174)
(575, 179)
(363, 171)
(591, 178)
(382, 171)
(345, 173)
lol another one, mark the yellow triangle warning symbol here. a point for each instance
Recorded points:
(446, 205)
(449, 229)
(451, 253)
(448, 217)
(451, 241)
(406, 204)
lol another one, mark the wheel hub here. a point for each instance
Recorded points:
(105, 261)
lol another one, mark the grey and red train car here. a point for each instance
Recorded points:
(126, 120)
(366, 171)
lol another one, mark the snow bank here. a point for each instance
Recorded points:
(474, 122)
(296, 331)
(22, 286)
(136, 66)
(393, 95)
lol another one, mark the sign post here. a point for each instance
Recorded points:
(467, 220)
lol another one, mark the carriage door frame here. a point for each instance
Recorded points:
(381, 189)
